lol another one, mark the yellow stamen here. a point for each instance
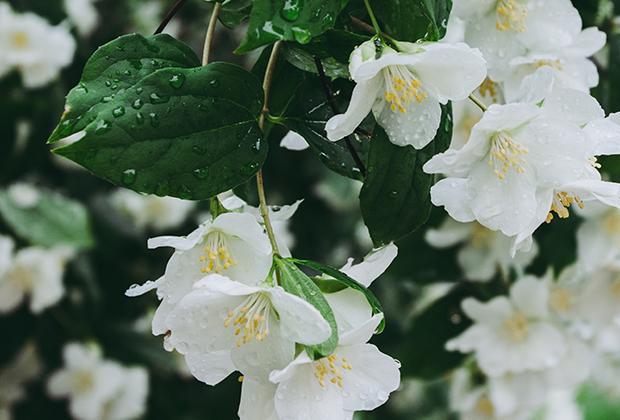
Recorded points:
(485, 407)
(556, 64)
(511, 15)
(401, 87)
(489, 88)
(328, 370)
(561, 300)
(216, 257)
(250, 320)
(19, 39)
(504, 154)
(517, 327)
(561, 203)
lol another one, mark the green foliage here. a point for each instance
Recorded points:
(346, 281)
(289, 20)
(423, 353)
(185, 132)
(295, 281)
(51, 221)
(395, 198)
(233, 11)
(411, 20)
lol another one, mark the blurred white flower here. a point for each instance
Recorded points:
(98, 389)
(33, 271)
(598, 237)
(24, 195)
(15, 376)
(562, 405)
(294, 141)
(223, 326)
(233, 245)
(356, 377)
(515, 334)
(35, 48)
(83, 15)
(151, 211)
(523, 163)
(404, 88)
(484, 251)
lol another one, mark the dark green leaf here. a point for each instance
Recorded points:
(289, 20)
(411, 20)
(423, 352)
(307, 114)
(346, 281)
(233, 11)
(188, 133)
(53, 220)
(296, 282)
(395, 198)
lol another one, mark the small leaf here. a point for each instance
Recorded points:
(294, 281)
(346, 281)
(395, 198)
(233, 11)
(52, 220)
(185, 132)
(289, 20)
(411, 20)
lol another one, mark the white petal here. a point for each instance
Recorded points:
(415, 127)
(60, 384)
(490, 312)
(372, 378)
(450, 71)
(244, 227)
(479, 263)
(362, 100)
(300, 321)
(531, 297)
(284, 213)
(363, 333)
(292, 369)
(570, 105)
(604, 135)
(179, 242)
(593, 245)
(448, 234)
(257, 400)
(374, 264)
(11, 295)
(210, 368)
(453, 194)
(605, 192)
(294, 141)
(140, 289)
(551, 25)
(7, 246)
(350, 308)
(588, 42)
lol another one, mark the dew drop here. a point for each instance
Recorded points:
(177, 80)
(157, 99)
(290, 10)
(199, 150)
(139, 118)
(201, 173)
(303, 36)
(214, 82)
(102, 127)
(154, 119)
(249, 169)
(118, 112)
(137, 104)
(128, 177)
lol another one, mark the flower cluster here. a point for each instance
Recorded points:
(99, 389)
(32, 46)
(223, 309)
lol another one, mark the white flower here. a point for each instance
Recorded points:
(570, 65)
(83, 15)
(523, 163)
(33, 271)
(223, 325)
(257, 400)
(484, 251)
(504, 29)
(13, 377)
(598, 237)
(87, 380)
(150, 211)
(31, 45)
(233, 244)
(294, 141)
(279, 215)
(562, 405)
(24, 195)
(512, 335)
(600, 299)
(405, 88)
(129, 401)
(356, 377)
(351, 307)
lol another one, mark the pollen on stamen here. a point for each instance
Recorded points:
(250, 320)
(328, 370)
(505, 154)
(401, 88)
(511, 15)
(561, 203)
(216, 257)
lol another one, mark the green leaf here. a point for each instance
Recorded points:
(411, 20)
(395, 199)
(185, 132)
(346, 281)
(115, 67)
(289, 20)
(437, 12)
(51, 221)
(423, 352)
(307, 115)
(294, 281)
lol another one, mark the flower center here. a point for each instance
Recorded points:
(510, 15)
(83, 381)
(505, 153)
(250, 319)
(517, 327)
(556, 64)
(561, 300)
(561, 202)
(19, 39)
(485, 407)
(612, 222)
(481, 237)
(23, 277)
(216, 256)
(488, 88)
(401, 87)
(328, 370)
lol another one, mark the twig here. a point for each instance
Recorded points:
(173, 11)
(478, 102)
(210, 31)
(332, 104)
